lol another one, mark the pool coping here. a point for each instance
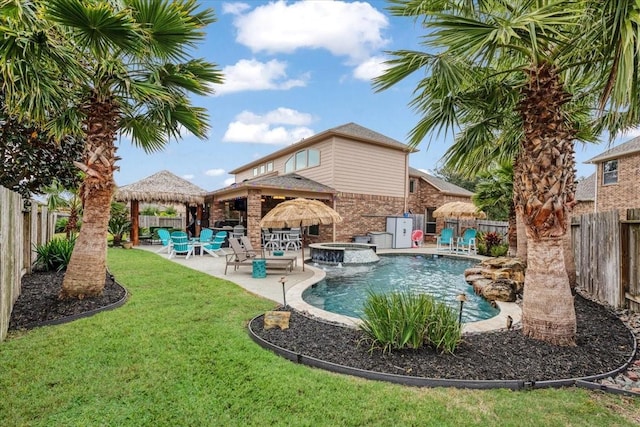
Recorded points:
(295, 301)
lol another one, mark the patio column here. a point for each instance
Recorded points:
(254, 215)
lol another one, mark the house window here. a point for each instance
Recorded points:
(262, 169)
(255, 171)
(610, 172)
(270, 167)
(412, 186)
(302, 160)
(430, 221)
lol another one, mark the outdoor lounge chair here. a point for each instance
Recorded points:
(445, 240)
(165, 240)
(467, 243)
(240, 258)
(180, 245)
(248, 247)
(215, 246)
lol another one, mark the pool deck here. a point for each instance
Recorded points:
(297, 281)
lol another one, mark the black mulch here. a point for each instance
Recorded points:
(38, 301)
(604, 344)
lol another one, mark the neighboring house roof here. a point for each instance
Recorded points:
(349, 130)
(586, 189)
(440, 184)
(629, 147)
(161, 187)
(291, 181)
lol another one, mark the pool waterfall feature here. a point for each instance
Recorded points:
(343, 253)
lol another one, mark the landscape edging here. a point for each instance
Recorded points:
(585, 382)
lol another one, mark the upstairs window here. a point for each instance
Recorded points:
(412, 186)
(302, 160)
(610, 172)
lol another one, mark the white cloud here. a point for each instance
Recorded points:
(250, 74)
(215, 172)
(234, 8)
(280, 126)
(349, 29)
(188, 176)
(369, 69)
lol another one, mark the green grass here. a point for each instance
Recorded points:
(178, 354)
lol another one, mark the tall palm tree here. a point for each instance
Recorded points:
(522, 57)
(123, 67)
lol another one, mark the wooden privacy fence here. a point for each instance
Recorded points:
(607, 254)
(22, 227)
(148, 221)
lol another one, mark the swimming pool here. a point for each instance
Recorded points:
(345, 288)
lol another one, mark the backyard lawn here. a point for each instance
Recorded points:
(178, 354)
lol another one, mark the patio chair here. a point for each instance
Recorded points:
(215, 246)
(467, 243)
(291, 240)
(165, 240)
(206, 236)
(238, 258)
(445, 240)
(248, 247)
(180, 245)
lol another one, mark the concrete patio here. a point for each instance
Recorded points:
(297, 281)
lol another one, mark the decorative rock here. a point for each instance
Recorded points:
(472, 271)
(500, 290)
(503, 273)
(277, 319)
(473, 277)
(480, 284)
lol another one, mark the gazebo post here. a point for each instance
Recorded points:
(135, 223)
(198, 219)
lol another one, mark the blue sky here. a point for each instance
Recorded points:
(293, 69)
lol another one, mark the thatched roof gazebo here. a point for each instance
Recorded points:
(163, 187)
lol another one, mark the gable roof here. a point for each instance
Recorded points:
(440, 184)
(586, 189)
(349, 130)
(630, 147)
(291, 181)
(161, 187)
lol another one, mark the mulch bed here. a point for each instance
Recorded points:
(604, 343)
(38, 302)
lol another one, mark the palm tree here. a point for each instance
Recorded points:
(123, 67)
(518, 63)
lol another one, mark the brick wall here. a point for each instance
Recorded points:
(625, 194)
(361, 213)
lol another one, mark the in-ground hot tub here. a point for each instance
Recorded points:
(343, 253)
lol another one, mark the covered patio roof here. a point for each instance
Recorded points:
(289, 184)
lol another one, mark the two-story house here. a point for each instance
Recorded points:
(614, 185)
(364, 175)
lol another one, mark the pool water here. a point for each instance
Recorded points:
(345, 289)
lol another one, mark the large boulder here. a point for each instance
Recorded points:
(497, 279)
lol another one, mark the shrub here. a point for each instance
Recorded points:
(499, 250)
(405, 320)
(61, 224)
(54, 255)
(487, 241)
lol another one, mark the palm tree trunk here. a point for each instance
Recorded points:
(521, 243)
(545, 192)
(86, 272)
(548, 312)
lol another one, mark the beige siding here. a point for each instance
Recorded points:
(368, 169)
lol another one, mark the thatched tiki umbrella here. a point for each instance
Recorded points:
(162, 187)
(459, 210)
(300, 213)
